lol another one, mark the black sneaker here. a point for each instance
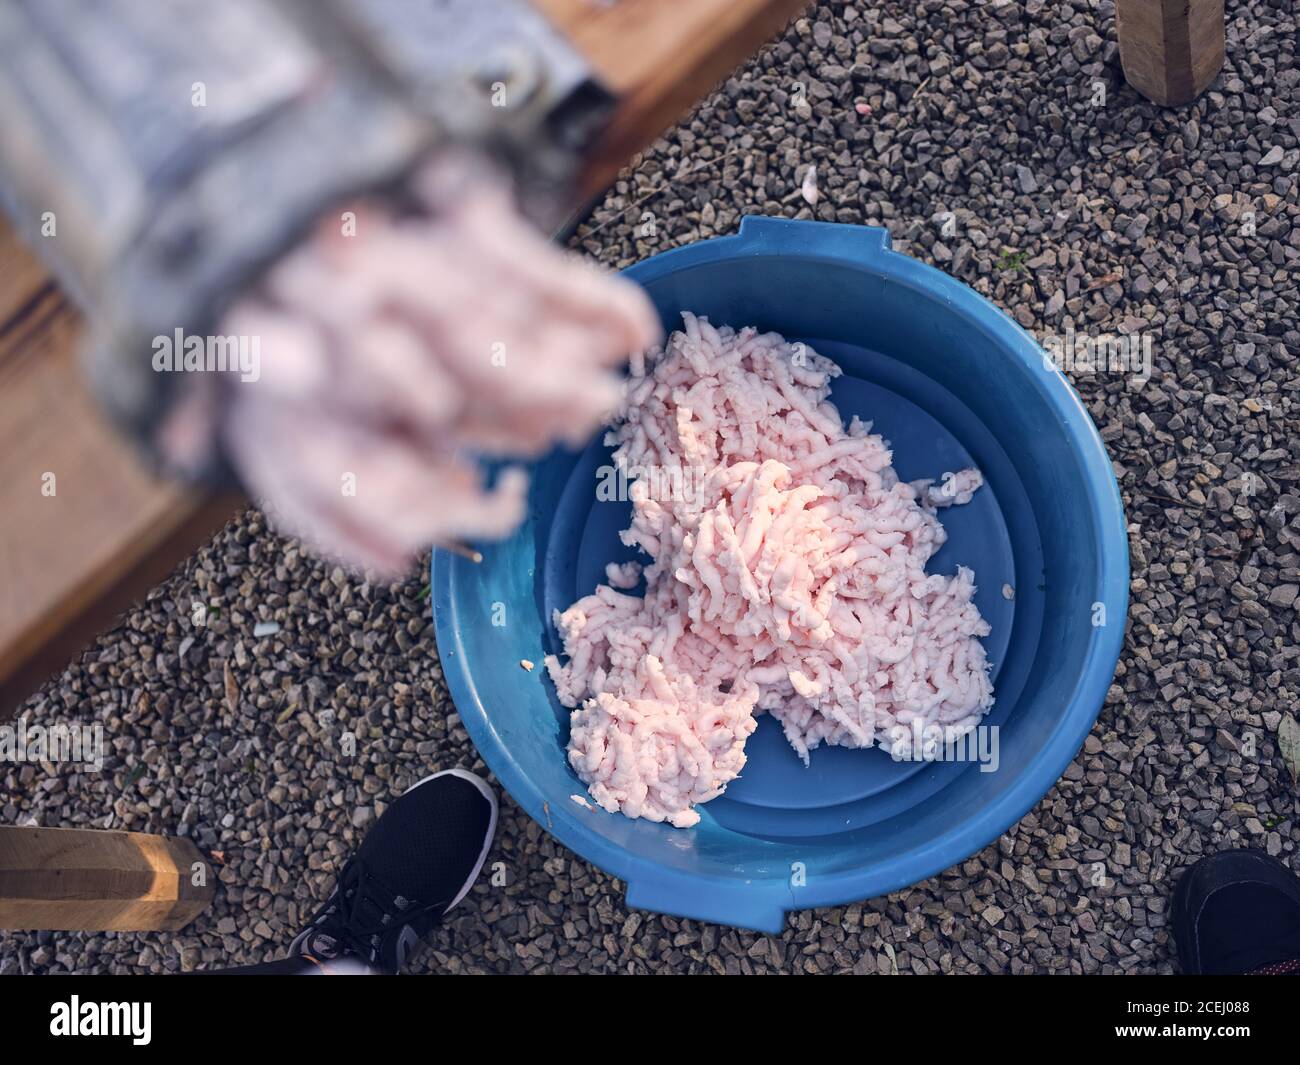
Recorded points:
(416, 862)
(1237, 912)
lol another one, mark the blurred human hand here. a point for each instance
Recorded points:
(394, 351)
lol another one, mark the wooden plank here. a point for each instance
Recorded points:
(24, 282)
(660, 57)
(82, 880)
(1170, 49)
(71, 562)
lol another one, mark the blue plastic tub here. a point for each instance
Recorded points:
(951, 381)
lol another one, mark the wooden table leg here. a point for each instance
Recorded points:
(1171, 49)
(82, 880)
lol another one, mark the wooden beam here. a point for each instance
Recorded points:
(82, 880)
(84, 530)
(1170, 49)
(24, 284)
(72, 561)
(660, 57)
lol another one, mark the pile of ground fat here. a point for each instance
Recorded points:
(787, 576)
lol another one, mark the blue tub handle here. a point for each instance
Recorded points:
(723, 902)
(860, 245)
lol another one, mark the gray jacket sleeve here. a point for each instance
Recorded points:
(160, 153)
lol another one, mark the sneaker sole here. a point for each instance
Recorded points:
(486, 791)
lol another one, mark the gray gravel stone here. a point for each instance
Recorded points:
(1283, 595)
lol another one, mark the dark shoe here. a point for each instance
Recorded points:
(417, 862)
(1236, 912)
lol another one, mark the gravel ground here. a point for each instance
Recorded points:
(1109, 216)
